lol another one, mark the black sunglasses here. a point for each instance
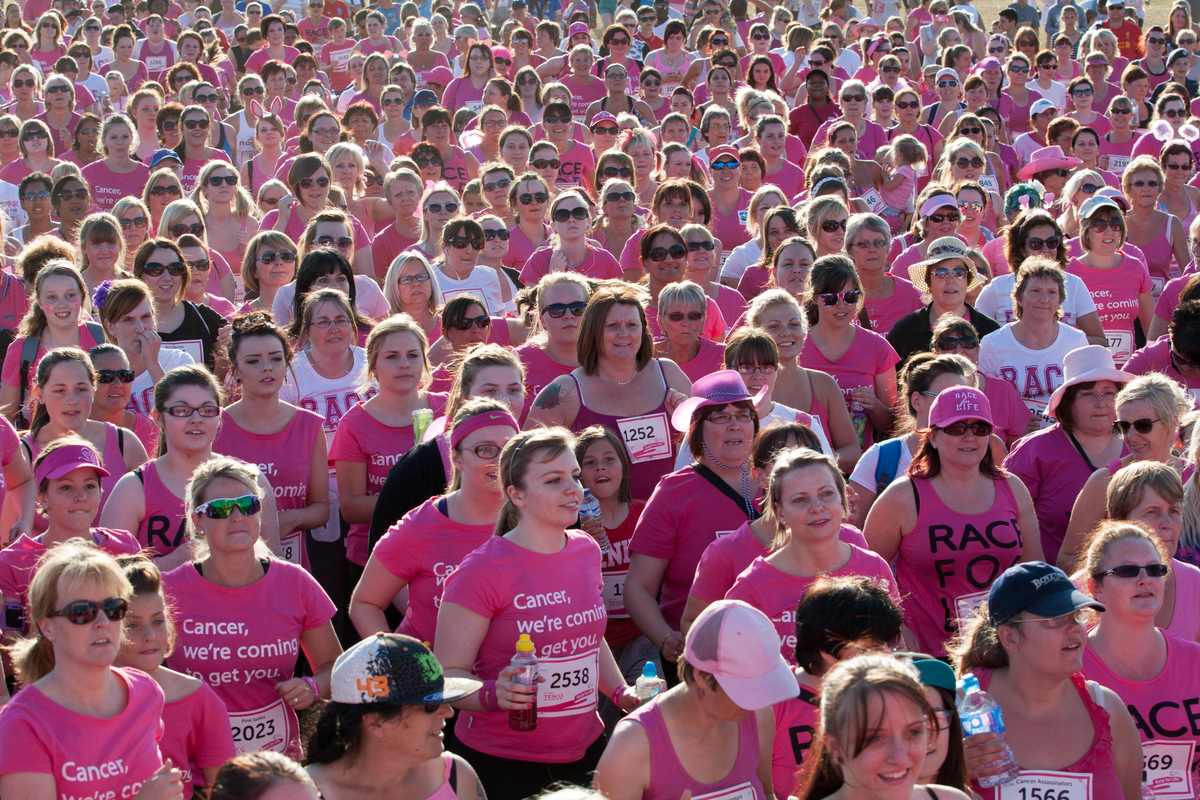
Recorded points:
(436, 208)
(113, 375)
(830, 299)
(83, 612)
(462, 242)
(1142, 426)
(564, 214)
(481, 322)
(978, 427)
(559, 310)
(660, 254)
(196, 230)
(1134, 570)
(948, 344)
(176, 269)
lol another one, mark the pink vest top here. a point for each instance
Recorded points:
(164, 526)
(948, 562)
(668, 779)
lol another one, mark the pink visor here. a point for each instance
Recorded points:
(65, 460)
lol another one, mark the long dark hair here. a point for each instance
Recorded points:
(338, 733)
(317, 264)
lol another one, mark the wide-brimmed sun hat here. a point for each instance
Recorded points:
(1087, 365)
(1047, 158)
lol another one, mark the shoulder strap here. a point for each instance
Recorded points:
(121, 439)
(932, 793)
(97, 331)
(886, 466)
(28, 353)
(916, 496)
(724, 488)
(453, 779)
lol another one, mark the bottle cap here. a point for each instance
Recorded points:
(649, 670)
(524, 645)
(969, 682)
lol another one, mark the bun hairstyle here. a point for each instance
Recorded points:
(146, 579)
(256, 323)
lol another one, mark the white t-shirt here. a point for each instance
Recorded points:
(744, 255)
(370, 300)
(849, 61)
(331, 398)
(10, 201)
(1034, 373)
(483, 282)
(864, 470)
(996, 300)
(141, 396)
(93, 82)
(1057, 93)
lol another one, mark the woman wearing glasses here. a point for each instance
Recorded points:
(60, 114)
(551, 350)
(955, 485)
(1148, 412)
(24, 87)
(193, 149)
(1170, 114)
(77, 602)
(134, 220)
(410, 287)
(183, 217)
(195, 329)
(529, 197)
(887, 297)
(348, 164)
(937, 217)
(36, 153)
(948, 275)
(682, 307)
(459, 270)
(702, 262)
(64, 390)
(228, 221)
(869, 135)
(1027, 649)
(465, 323)
(48, 45)
(1145, 663)
(861, 362)
(268, 265)
(117, 175)
(71, 199)
(161, 190)
(568, 247)
(112, 403)
(231, 578)
(202, 263)
(907, 112)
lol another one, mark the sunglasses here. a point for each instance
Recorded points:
(854, 98)
(307, 183)
(466, 323)
(1089, 188)
(1082, 93)
(58, 89)
(890, 69)
(1142, 426)
(718, 42)
(159, 191)
(718, 166)
(217, 180)
(1037, 245)
(833, 226)
(36, 195)
(963, 163)
(910, 104)
(696, 247)
(978, 427)
(617, 172)
(559, 310)
(113, 375)
(530, 199)
(948, 344)
(690, 316)
(850, 298)
(34, 134)
(614, 197)
(330, 241)
(427, 161)
(1134, 570)
(965, 206)
(126, 224)
(176, 269)
(946, 84)
(249, 90)
(618, 42)
(223, 507)
(660, 254)
(1102, 225)
(83, 612)
(937, 219)
(545, 163)
(761, 37)
(11, 133)
(180, 229)
(284, 256)
(651, 82)
(78, 194)
(557, 119)
(1174, 113)
(200, 264)
(564, 214)
(498, 233)
(462, 242)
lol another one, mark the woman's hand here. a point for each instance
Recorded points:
(982, 751)
(558, 262)
(865, 397)
(225, 336)
(165, 784)
(672, 646)
(296, 693)
(243, 238)
(151, 344)
(674, 398)
(514, 696)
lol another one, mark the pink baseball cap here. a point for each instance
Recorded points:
(603, 116)
(439, 75)
(501, 52)
(65, 460)
(738, 645)
(958, 403)
(577, 27)
(723, 150)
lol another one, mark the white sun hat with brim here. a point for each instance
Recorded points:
(1087, 365)
(939, 250)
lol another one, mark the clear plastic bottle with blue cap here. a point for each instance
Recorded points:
(649, 685)
(980, 713)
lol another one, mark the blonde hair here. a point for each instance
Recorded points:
(1165, 396)
(786, 463)
(397, 323)
(243, 204)
(477, 358)
(215, 469)
(907, 151)
(391, 281)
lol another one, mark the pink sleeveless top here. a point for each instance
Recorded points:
(644, 475)
(112, 459)
(164, 527)
(1158, 255)
(1185, 622)
(668, 779)
(817, 409)
(1098, 760)
(948, 562)
(454, 171)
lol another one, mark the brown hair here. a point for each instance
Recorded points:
(59, 355)
(250, 776)
(786, 463)
(598, 433)
(518, 455)
(591, 329)
(477, 358)
(1129, 484)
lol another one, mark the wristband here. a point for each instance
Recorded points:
(620, 692)
(662, 646)
(488, 698)
(312, 684)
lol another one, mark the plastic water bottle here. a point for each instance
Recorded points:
(647, 686)
(525, 719)
(589, 510)
(979, 713)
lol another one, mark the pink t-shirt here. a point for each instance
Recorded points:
(295, 228)
(1164, 709)
(1168, 301)
(242, 641)
(423, 549)
(196, 735)
(278, 456)
(256, 60)
(362, 439)
(710, 359)
(1116, 292)
(583, 94)
(789, 178)
(89, 757)
(575, 166)
(870, 355)
(684, 515)
(312, 31)
(1054, 472)
(520, 247)
(796, 723)
(9, 442)
(731, 228)
(600, 265)
(339, 57)
(557, 599)
(1156, 357)
(388, 244)
(776, 594)
(885, 312)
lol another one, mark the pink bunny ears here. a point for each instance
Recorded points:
(275, 108)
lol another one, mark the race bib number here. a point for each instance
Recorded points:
(990, 183)
(568, 686)
(743, 791)
(647, 438)
(193, 347)
(614, 594)
(1038, 409)
(1166, 767)
(478, 293)
(262, 729)
(874, 201)
(965, 606)
(1048, 785)
(1157, 286)
(290, 546)
(156, 63)
(341, 59)
(1117, 164)
(1120, 344)
(475, 106)
(743, 216)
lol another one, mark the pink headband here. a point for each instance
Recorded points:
(937, 201)
(472, 424)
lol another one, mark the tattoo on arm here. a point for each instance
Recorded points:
(551, 397)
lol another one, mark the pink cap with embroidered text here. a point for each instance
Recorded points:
(958, 403)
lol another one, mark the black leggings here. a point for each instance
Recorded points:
(509, 779)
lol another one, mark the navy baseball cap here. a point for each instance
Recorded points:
(1038, 588)
(425, 97)
(163, 155)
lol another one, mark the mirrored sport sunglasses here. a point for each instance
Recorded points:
(83, 612)
(223, 507)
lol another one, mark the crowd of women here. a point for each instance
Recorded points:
(805, 363)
